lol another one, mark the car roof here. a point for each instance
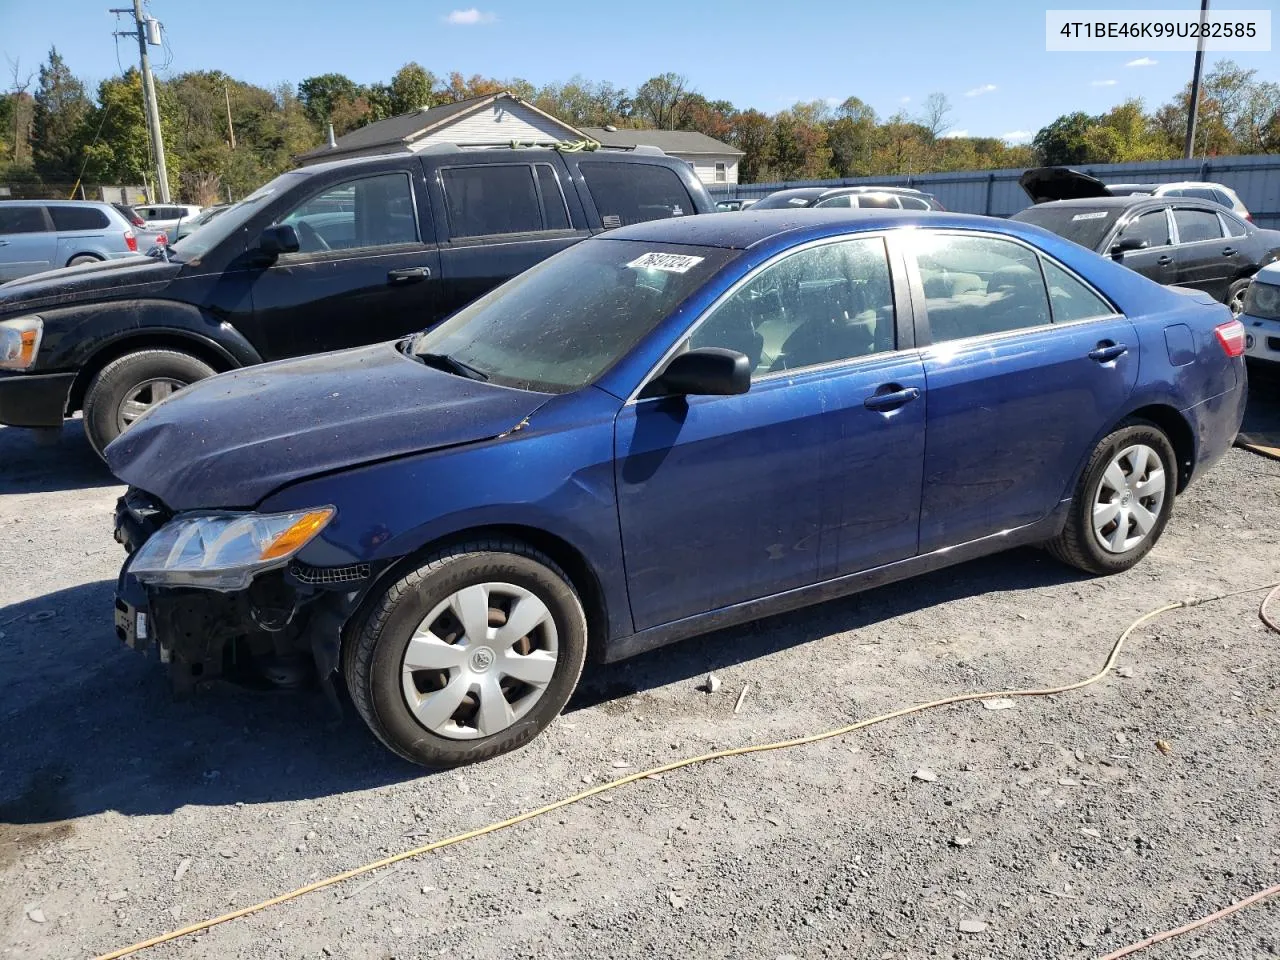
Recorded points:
(798, 224)
(863, 188)
(59, 203)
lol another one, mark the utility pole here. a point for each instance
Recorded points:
(1188, 147)
(231, 130)
(149, 95)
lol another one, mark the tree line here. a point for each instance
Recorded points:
(224, 137)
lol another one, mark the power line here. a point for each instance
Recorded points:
(148, 33)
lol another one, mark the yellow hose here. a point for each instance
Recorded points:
(1107, 666)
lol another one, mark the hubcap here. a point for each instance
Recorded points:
(479, 661)
(143, 397)
(1129, 498)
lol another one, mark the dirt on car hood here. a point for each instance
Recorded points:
(229, 441)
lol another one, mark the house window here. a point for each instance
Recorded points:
(722, 174)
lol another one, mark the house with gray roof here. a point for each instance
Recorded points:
(499, 119)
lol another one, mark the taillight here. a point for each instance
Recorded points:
(139, 222)
(1249, 217)
(131, 241)
(1231, 336)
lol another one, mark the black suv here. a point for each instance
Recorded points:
(329, 256)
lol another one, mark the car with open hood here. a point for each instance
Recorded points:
(1171, 240)
(667, 429)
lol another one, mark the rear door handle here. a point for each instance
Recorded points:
(408, 274)
(890, 397)
(1165, 260)
(4, 243)
(1106, 351)
(1229, 252)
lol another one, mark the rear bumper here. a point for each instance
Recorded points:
(34, 399)
(1216, 421)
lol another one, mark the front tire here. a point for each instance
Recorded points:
(469, 656)
(1235, 296)
(128, 386)
(1123, 501)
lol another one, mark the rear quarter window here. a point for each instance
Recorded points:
(78, 218)
(627, 193)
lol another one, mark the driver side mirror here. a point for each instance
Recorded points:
(706, 371)
(279, 238)
(1125, 244)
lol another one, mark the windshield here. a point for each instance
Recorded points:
(199, 242)
(558, 326)
(1086, 227)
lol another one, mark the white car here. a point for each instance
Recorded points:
(164, 217)
(1195, 189)
(1261, 315)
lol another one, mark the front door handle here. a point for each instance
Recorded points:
(408, 274)
(1165, 260)
(890, 397)
(4, 243)
(1229, 252)
(1106, 351)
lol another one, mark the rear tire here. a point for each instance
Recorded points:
(83, 258)
(442, 687)
(127, 386)
(1123, 501)
(1235, 296)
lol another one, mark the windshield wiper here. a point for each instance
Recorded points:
(442, 361)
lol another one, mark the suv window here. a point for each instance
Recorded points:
(370, 212)
(556, 212)
(491, 199)
(878, 201)
(1152, 226)
(1070, 299)
(1196, 225)
(15, 219)
(1199, 193)
(78, 218)
(627, 193)
(821, 305)
(979, 285)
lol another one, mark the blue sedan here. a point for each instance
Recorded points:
(666, 429)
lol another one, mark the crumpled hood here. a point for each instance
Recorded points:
(231, 440)
(128, 276)
(1045, 184)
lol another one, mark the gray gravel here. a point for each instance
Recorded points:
(1050, 829)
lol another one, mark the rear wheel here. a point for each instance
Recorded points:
(129, 386)
(1122, 503)
(1235, 296)
(83, 258)
(469, 656)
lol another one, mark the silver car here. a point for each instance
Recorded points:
(37, 235)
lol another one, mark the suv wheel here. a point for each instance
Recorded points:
(129, 386)
(83, 258)
(469, 656)
(1122, 503)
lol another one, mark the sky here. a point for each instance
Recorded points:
(987, 56)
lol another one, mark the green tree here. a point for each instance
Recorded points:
(1065, 140)
(121, 153)
(851, 136)
(60, 109)
(412, 87)
(660, 100)
(319, 95)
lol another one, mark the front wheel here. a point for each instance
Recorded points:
(1235, 296)
(129, 386)
(471, 655)
(1122, 502)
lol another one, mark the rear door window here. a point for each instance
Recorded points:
(627, 193)
(1070, 299)
(913, 203)
(20, 219)
(1196, 225)
(1152, 226)
(78, 218)
(844, 200)
(491, 199)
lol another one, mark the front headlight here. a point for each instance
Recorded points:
(1262, 300)
(20, 342)
(224, 551)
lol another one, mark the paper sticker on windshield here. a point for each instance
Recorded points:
(1089, 216)
(671, 262)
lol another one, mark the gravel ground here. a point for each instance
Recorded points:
(1056, 828)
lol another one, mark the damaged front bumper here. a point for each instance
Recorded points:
(284, 614)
